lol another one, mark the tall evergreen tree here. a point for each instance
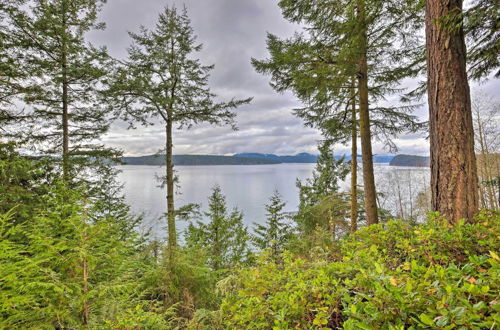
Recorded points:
(162, 80)
(63, 79)
(349, 39)
(274, 233)
(224, 237)
(454, 181)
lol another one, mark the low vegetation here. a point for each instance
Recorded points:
(387, 276)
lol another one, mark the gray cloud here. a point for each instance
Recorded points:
(232, 31)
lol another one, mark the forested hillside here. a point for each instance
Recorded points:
(410, 160)
(240, 159)
(198, 160)
(73, 254)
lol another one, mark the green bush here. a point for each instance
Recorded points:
(389, 276)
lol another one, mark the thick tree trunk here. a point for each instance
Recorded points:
(364, 121)
(354, 165)
(172, 234)
(454, 182)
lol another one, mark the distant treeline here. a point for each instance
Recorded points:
(410, 160)
(198, 160)
(240, 159)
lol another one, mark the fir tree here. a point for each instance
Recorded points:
(63, 76)
(161, 79)
(274, 234)
(224, 237)
(321, 192)
(349, 39)
(454, 181)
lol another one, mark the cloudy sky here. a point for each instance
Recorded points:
(232, 32)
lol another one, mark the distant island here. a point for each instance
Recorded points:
(298, 158)
(410, 160)
(239, 159)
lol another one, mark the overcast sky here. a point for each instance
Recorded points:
(232, 32)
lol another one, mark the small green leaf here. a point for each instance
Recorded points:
(427, 320)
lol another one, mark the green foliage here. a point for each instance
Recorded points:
(389, 276)
(276, 231)
(63, 76)
(11, 72)
(320, 204)
(141, 317)
(62, 269)
(161, 79)
(224, 237)
(23, 182)
(321, 66)
(482, 27)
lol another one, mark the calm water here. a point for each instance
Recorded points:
(245, 187)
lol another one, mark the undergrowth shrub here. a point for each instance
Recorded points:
(389, 276)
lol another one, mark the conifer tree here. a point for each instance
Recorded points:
(454, 182)
(62, 270)
(274, 234)
(224, 237)
(63, 79)
(161, 79)
(321, 191)
(349, 39)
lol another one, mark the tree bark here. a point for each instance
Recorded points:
(172, 234)
(454, 182)
(354, 164)
(65, 100)
(364, 120)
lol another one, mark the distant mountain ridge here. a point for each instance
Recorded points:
(238, 159)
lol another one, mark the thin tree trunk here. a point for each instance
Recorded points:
(65, 100)
(487, 161)
(354, 165)
(86, 309)
(364, 121)
(481, 163)
(172, 239)
(410, 191)
(85, 275)
(217, 249)
(400, 197)
(454, 181)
